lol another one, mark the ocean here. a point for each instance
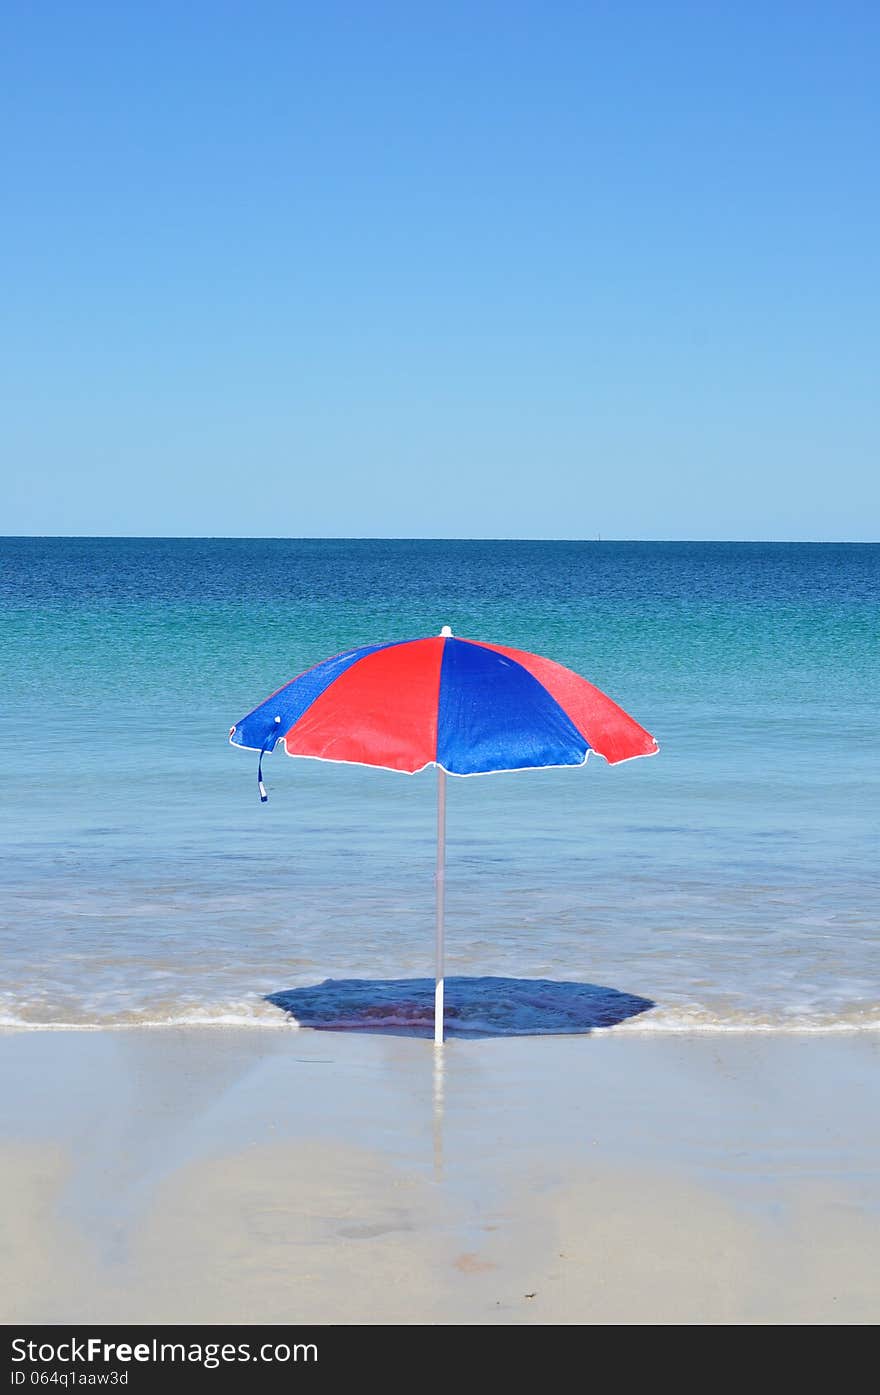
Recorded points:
(731, 882)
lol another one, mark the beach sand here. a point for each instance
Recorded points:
(295, 1176)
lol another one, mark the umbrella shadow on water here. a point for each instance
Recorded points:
(475, 1007)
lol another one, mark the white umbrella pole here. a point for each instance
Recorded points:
(440, 882)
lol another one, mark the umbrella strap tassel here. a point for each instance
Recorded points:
(268, 745)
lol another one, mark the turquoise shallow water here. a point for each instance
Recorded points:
(732, 880)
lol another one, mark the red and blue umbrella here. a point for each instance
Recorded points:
(466, 707)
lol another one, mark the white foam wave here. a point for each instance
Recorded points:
(256, 1013)
(683, 1023)
(260, 1016)
(238, 1019)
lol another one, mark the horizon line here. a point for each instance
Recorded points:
(405, 537)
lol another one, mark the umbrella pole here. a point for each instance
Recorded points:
(440, 884)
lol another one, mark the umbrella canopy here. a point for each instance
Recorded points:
(467, 707)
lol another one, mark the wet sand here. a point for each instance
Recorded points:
(285, 1176)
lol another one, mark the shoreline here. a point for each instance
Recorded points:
(218, 1175)
(620, 1031)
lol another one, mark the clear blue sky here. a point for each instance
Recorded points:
(462, 269)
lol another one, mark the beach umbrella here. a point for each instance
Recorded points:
(464, 706)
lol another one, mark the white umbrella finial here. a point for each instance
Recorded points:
(446, 632)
